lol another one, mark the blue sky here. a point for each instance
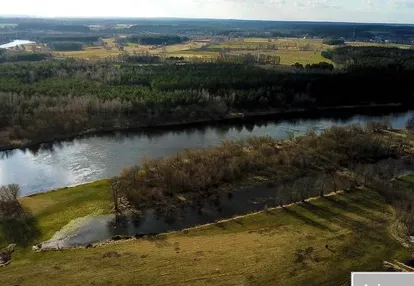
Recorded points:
(397, 11)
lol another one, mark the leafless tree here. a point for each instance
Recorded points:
(280, 195)
(320, 184)
(9, 201)
(115, 185)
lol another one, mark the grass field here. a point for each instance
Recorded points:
(54, 210)
(290, 50)
(343, 233)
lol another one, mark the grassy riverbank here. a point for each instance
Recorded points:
(53, 210)
(270, 247)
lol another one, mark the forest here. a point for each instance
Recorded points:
(374, 57)
(10, 56)
(66, 46)
(52, 99)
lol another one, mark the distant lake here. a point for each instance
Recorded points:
(16, 43)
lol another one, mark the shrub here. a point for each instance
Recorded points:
(410, 124)
(377, 126)
(9, 204)
(333, 42)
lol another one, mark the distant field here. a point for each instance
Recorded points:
(88, 53)
(290, 50)
(367, 44)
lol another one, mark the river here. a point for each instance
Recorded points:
(16, 43)
(89, 158)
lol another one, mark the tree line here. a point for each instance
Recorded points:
(21, 56)
(372, 57)
(154, 40)
(66, 46)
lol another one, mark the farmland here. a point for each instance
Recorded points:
(304, 51)
(290, 50)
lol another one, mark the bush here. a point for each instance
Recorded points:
(333, 42)
(410, 124)
(377, 126)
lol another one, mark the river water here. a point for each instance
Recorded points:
(16, 43)
(85, 159)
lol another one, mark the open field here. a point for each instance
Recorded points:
(304, 51)
(343, 233)
(272, 44)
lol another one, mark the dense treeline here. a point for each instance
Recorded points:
(320, 66)
(52, 26)
(211, 27)
(142, 59)
(66, 46)
(20, 56)
(333, 42)
(377, 57)
(156, 39)
(86, 39)
(50, 99)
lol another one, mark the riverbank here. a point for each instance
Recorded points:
(55, 209)
(293, 245)
(234, 117)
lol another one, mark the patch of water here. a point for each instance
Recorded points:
(16, 43)
(98, 228)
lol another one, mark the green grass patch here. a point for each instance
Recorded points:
(54, 210)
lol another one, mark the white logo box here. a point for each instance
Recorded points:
(382, 279)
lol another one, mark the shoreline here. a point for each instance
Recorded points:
(229, 117)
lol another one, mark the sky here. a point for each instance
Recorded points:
(395, 11)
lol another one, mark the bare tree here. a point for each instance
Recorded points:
(280, 195)
(320, 184)
(115, 185)
(410, 124)
(9, 201)
(333, 176)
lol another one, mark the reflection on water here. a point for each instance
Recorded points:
(84, 159)
(96, 229)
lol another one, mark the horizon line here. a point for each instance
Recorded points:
(189, 18)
